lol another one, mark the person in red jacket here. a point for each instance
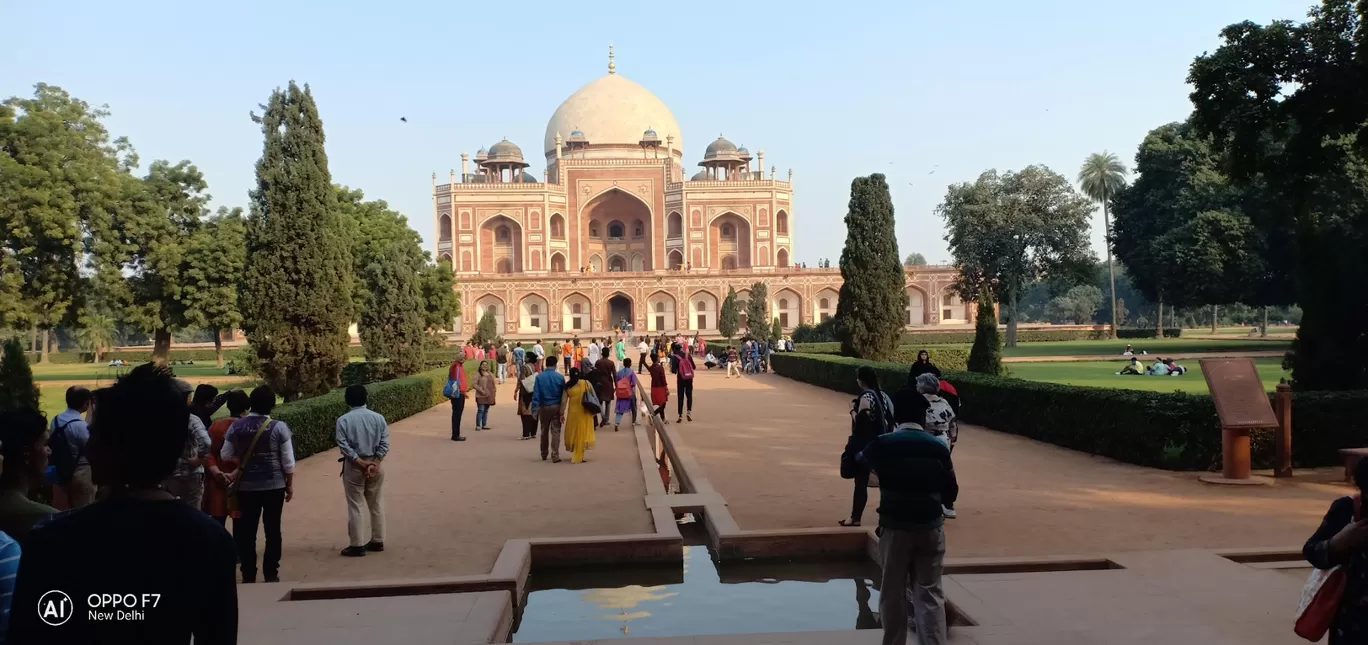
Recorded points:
(458, 399)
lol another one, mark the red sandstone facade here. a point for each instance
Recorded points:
(615, 233)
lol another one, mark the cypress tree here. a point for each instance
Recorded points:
(391, 325)
(872, 301)
(729, 318)
(487, 330)
(296, 298)
(17, 389)
(777, 332)
(757, 312)
(986, 355)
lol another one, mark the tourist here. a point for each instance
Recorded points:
(546, 406)
(1133, 368)
(591, 356)
(526, 382)
(701, 344)
(187, 480)
(503, 360)
(363, 439)
(642, 350)
(733, 363)
(1159, 368)
(484, 396)
(519, 357)
(539, 351)
(24, 452)
(916, 478)
(1342, 541)
(579, 420)
(264, 480)
(457, 387)
(219, 472)
(9, 571)
(1129, 351)
(603, 379)
(138, 540)
(567, 356)
(205, 403)
(620, 350)
(871, 416)
(684, 382)
(480, 353)
(940, 419)
(1174, 368)
(625, 394)
(660, 387)
(468, 352)
(923, 365)
(69, 433)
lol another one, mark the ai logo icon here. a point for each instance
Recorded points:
(55, 608)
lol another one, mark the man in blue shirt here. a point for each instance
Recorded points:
(915, 478)
(67, 441)
(519, 357)
(546, 406)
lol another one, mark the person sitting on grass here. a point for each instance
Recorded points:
(1133, 368)
(1159, 368)
(1174, 368)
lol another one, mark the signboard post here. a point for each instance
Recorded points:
(1242, 405)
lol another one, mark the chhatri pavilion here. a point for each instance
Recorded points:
(618, 231)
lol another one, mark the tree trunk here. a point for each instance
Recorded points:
(1161, 317)
(1213, 318)
(1012, 319)
(161, 345)
(43, 357)
(1111, 269)
(33, 339)
(1263, 329)
(218, 347)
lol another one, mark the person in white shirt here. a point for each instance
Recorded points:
(644, 350)
(537, 349)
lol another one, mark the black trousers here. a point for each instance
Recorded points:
(529, 425)
(259, 507)
(684, 389)
(457, 409)
(642, 364)
(857, 506)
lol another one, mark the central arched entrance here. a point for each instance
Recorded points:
(619, 311)
(614, 225)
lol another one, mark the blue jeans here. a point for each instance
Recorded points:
(482, 415)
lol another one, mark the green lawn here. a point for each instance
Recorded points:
(1103, 374)
(101, 374)
(1155, 346)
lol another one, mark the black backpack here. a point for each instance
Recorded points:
(61, 458)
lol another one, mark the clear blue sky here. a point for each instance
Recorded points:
(832, 91)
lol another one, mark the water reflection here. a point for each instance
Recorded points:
(696, 600)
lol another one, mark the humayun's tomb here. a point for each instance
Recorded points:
(615, 232)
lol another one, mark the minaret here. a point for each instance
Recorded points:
(452, 176)
(669, 157)
(465, 165)
(760, 164)
(612, 67)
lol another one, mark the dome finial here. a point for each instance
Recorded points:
(612, 67)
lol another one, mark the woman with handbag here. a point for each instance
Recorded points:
(1336, 597)
(660, 386)
(580, 419)
(871, 414)
(484, 396)
(218, 472)
(525, 383)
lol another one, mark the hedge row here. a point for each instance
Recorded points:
(1174, 431)
(1169, 332)
(944, 358)
(313, 421)
(135, 357)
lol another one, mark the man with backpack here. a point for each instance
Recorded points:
(67, 441)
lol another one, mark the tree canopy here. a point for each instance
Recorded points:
(729, 317)
(757, 312)
(1011, 230)
(914, 259)
(872, 303)
(392, 323)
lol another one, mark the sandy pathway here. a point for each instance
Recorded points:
(451, 506)
(771, 446)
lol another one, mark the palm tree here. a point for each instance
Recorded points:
(96, 335)
(1102, 177)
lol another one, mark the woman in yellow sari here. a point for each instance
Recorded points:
(579, 423)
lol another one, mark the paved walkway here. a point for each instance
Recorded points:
(451, 506)
(771, 447)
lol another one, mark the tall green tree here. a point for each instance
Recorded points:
(914, 260)
(776, 330)
(873, 300)
(757, 312)
(392, 323)
(96, 334)
(441, 303)
(213, 275)
(1077, 306)
(1101, 178)
(296, 297)
(1285, 103)
(59, 170)
(985, 357)
(373, 228)
(487, 330)
(17, 389)
(729, 317)
(1009, 231)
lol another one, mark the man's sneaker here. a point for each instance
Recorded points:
(354, 551)
(681, 420)
(948, 512)
(689, 416)
(375, 546)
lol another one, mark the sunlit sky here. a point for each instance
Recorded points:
(928, 93)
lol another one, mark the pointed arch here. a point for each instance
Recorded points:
(674, 226)
(576, 312)
(916, 306)
(491, 303)
(787, 306)
(781, 222)
(782, 258)
(558, 264)
(826, 300)
(660, 312)
(638, 262)
(676, 260)
(703, 309)
(444, 228)
(764, 259)
(534, 314)
(557, 226)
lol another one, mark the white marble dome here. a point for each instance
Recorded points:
(613, 110)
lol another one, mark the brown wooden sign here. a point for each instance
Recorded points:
(1240, 398)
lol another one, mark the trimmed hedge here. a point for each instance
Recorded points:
(135, 357)
(313, 421)
(1169, 332)
(943, 357)
(1174, 431)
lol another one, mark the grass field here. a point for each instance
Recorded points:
(1155, 347)
(1103, 374)
(101, 374)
